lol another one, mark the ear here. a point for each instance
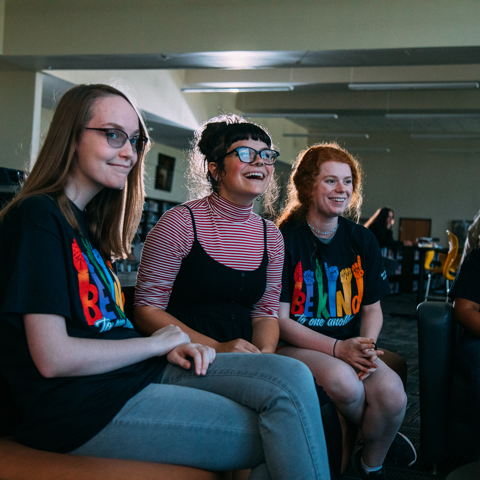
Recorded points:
(213, 169)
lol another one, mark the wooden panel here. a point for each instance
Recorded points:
(413, 228)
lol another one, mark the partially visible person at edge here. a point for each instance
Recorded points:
(330, 314)
(84, 381)
(473, 237)
(465, 293)
(380, 224)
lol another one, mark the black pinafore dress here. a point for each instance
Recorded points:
(214, 299)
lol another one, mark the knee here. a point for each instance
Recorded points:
(390, 396)
(344, 386)
(291, 371)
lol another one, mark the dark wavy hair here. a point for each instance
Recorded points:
(380, 216)
(210, 144)
(112, 215)
(303, 180)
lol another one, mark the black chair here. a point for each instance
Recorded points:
(445, 394)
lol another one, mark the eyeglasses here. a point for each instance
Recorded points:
(249, 154)
(117, 138)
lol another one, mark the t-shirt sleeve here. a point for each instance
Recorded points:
(376, 280)
(467, 282)
(268, 305)
(37, 279)
(165, 247)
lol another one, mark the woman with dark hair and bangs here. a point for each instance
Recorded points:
(330, 314)
(212, 266)
(84, 381)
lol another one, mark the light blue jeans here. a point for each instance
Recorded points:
(249, 411)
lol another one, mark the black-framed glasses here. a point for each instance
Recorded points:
(249, 154)
(117, 138)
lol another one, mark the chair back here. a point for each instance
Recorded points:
(429, 256)
(448, 271)
(428, 259)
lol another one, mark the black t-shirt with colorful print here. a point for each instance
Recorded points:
(46, 268)
(327, 283)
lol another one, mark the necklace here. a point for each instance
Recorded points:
(318, 232)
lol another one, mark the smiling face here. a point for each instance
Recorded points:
(333, 190)
(97, 165)
(240, 182)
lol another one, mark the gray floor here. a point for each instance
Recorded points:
(399, 334)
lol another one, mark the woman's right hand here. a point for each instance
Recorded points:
(358, 352)
(238, 345)
(168, 338)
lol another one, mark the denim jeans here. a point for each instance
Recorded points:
(467, 358)
(250, 410)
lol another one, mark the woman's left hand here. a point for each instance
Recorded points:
(363, 375)
(202, 356)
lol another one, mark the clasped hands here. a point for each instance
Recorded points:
(360, 353)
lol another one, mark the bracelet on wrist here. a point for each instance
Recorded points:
(334, 345)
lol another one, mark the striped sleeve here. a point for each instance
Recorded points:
(268, 305)
(166, 246)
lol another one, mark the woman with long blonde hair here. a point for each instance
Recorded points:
(83, 380)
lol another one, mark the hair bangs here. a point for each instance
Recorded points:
(245, 131)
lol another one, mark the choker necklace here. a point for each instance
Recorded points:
(318, 232)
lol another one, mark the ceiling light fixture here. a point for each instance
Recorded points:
(370, 149)
(454, 150)
(331, 135)
(415, 86)
(236, 89)
(444, 136)
(323, 116)
(426, 116)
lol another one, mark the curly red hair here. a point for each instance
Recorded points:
(303, 180)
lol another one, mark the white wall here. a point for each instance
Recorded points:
(422, 185)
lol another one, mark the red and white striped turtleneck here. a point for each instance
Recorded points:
(231, 234)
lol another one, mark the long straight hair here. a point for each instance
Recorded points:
(380, 216)
(112, 215)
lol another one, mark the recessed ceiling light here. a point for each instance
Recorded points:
(326, 116)
(415, 86)
(454, 150)
(444, 136)
(370, 149)
(331, 135)
(236, 89)
(424, 116)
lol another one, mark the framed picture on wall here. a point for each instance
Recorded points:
(164, 173)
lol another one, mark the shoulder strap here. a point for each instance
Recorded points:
(264, 234)
(193, 222)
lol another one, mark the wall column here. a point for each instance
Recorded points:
(20, 107)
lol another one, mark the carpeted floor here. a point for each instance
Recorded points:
(399, 334)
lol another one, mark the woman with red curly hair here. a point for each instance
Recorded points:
(330, 314)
